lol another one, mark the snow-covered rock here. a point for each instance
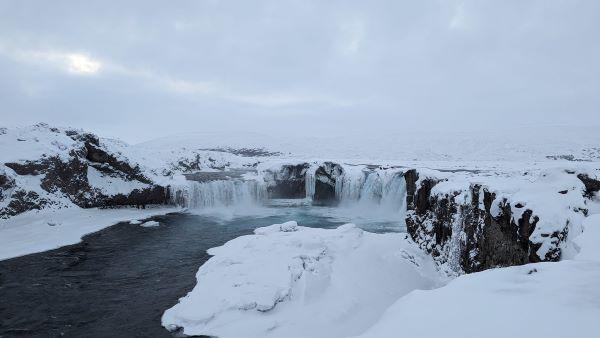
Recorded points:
(292, 281)
(150, 224)
(475, 221)
(42, 166)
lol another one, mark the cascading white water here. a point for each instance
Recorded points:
(221, 193)
(310, 181)
(372, 191)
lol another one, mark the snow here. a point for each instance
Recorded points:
(38, 231)
(150, 224)
(589, 240)
(520, 144)
(33, 142)
(536, 300)
(292, 281)
(110, 185)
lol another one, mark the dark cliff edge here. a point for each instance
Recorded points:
(471, 236)
(289, 181)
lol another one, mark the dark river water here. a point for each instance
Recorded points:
(118, 282)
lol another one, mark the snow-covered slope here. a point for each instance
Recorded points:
(291, 281)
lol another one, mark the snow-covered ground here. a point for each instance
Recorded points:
(520, 143)
(289, 281)
(37, 231)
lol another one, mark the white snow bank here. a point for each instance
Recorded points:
(589, 240)
(37, 231)
(549, 300)
(150, 224)
(292, 281)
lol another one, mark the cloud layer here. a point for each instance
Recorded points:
(139, 69)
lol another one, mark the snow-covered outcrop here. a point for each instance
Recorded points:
(42, 166)
(474, 221)
(292, 281)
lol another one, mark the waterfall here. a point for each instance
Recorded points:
(380, 191)
(310, 181)
(220, 193)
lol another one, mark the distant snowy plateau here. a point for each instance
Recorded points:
(502, 229)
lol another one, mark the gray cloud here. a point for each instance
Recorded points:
(139, 69)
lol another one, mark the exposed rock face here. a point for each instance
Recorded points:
(21, 201)
(288, 182)
(467, 233)
(325, 178)
(6, 183)
(592, 185)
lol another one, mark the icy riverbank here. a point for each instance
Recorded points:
(37, 231)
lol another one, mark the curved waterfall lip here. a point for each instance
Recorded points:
(378, 191)
(363, 192)
(219, 193)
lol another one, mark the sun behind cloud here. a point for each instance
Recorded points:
(82, 64)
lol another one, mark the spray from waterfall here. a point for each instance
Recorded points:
(372, 192)
(221, 193)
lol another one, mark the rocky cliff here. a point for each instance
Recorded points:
(479, 226)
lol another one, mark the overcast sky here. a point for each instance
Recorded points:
(142, 69)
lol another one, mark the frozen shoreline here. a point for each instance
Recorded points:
(37, 231)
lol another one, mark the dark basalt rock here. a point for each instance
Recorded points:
(486, 240)
(325, 178)
(493, 241)
(288, 182)
(6, 183)
(21, 201)
(592, 185)
(139, 198)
